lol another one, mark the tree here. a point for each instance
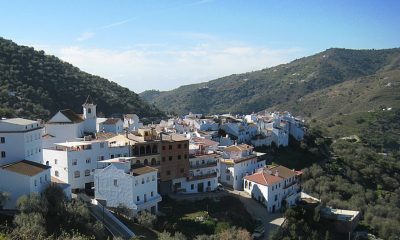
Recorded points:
(4, 197)
(28, 225)
(32, 203)
(167, 236)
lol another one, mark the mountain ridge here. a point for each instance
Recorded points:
(36, 85)
(274, 86)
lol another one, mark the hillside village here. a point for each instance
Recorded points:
(114, 163)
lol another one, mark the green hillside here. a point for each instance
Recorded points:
(36, 85)
(282, 85)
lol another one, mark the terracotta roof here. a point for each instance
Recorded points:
(263, 178)
(204, 141)
(238, 148)
(104, 136)
(283, 172)
(139, 169)
(71, 115)
(26, 167)
(110, 121)
(272, 174)
(173, 137)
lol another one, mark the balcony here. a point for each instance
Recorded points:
(288, 185)
(203, 176)
(203, 165)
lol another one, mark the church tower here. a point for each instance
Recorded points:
(89, 115)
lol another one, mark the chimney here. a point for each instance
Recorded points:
(126, 133)
(277, 173)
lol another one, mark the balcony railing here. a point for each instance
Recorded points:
(203, 176)
(203, 165)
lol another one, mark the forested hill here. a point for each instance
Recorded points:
(286, 84)
(36, 85)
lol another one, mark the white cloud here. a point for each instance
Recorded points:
(164, 67)
(85, 36)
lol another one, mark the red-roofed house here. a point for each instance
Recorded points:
(274, 187)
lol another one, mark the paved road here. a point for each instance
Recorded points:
(97, 212)
(109, 223)
(271, 220)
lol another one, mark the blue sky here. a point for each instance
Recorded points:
(164, 44)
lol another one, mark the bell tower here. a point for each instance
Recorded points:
(89, 108)
(89, 115)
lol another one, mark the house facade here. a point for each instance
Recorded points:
(237, 162)
(274, 186)
(133, 186)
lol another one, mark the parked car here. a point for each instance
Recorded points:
(220, 187)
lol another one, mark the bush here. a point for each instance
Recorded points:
(147, 219)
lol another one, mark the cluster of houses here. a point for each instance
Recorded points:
(125, 163)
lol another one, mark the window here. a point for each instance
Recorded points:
(185, 145)
(179, 146)
(185, 156)
(47, 163)
(87, 172)
(89, 110)
(152, 194)
(142, 180)
(168, 172)
(163, 147)
(153, 178)
(35, 182)
(55, 161)
(138, 199)
(112, 155)
(40, 180)
(56, 174)
(170, 158)
(2, 139)
(88, 160)
(115, 182)
(182, 170)
(101, 145)
(276, 197)
(170, 147)
(192, 186)
(228, 178)
(77, 174)
(148, 179)
(3, 154)
(74, 162)
(179, 157)
(209, 183)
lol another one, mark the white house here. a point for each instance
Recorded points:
(132, 122)
(20, 156)
(111, 125)
(242, 131)
(23, 178)
(131, 186)
(64, 125)
(20, 139)
(274, 187)
(203, 166)
(237, 162)
(74, 162)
